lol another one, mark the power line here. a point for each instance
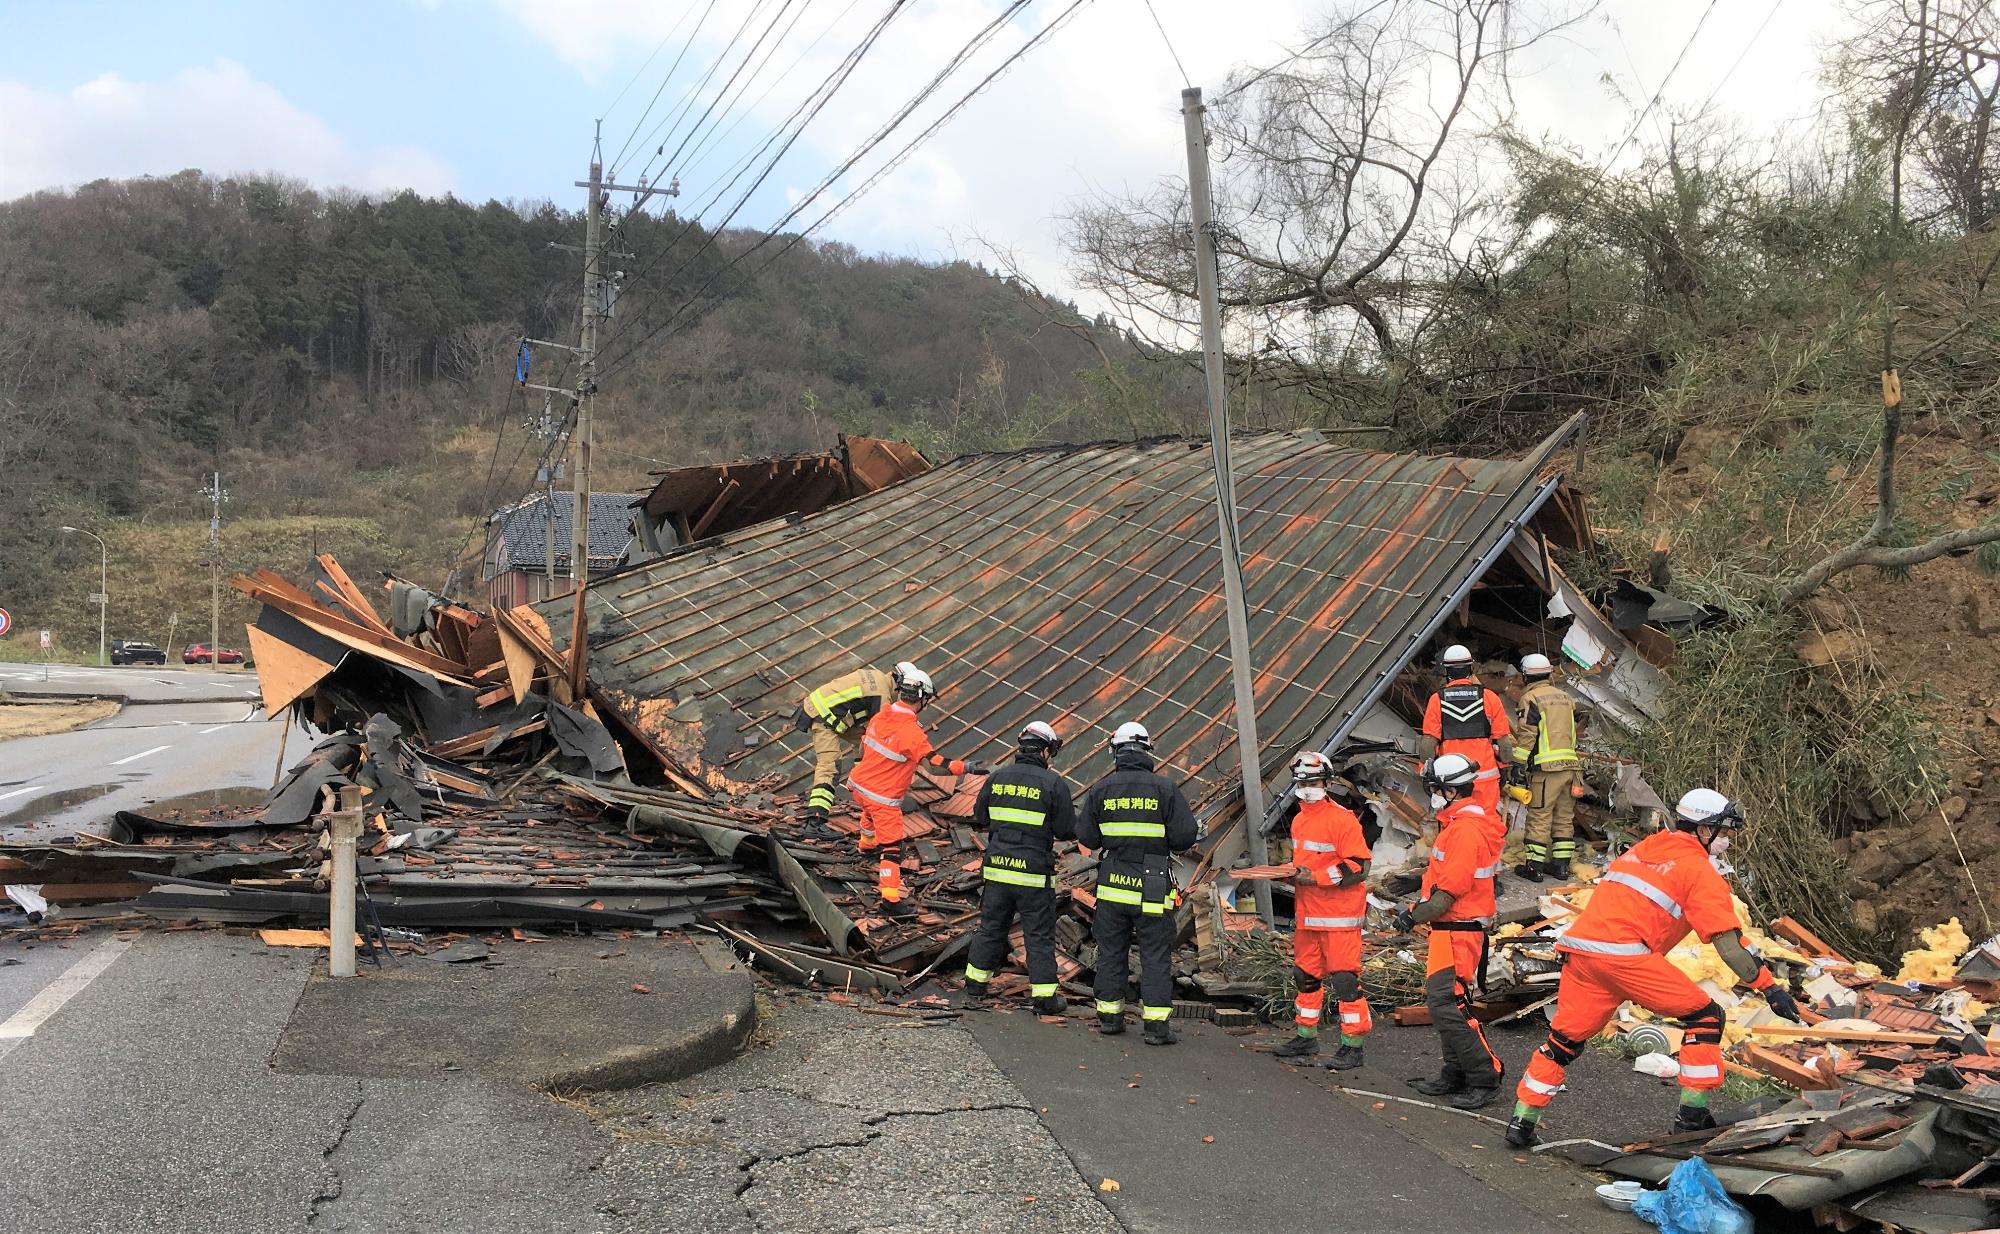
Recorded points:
(664, 82)
(641, 70)
(1657, 94)
(672, 121)
(700, 153)
(1157, 25)
(1742, 55)
(1035, 40)
(709, 112)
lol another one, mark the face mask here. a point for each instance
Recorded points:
(1439, 801)
(1311, 792)
(1719, 846)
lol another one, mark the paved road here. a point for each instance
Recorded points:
(135, 683)
(184, 754)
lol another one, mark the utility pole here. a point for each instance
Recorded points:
(216, 496)
(103, 596)
(599, 295)
(1225, 493)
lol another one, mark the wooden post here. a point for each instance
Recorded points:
(288, 717)
(344, 827)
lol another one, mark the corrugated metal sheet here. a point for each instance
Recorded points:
(1080, 585)
(756, 490)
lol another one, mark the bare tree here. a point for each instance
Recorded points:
(1926, 75)
(1346, 182)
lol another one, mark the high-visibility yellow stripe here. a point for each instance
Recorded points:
(1107, 1007)
(1141, 831)
(1157, 1013)
(1120, 895)
(1016, 816)
(975, 973)
(1042, 989)
(1015, 878)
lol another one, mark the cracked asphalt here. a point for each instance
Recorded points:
(150, 1101)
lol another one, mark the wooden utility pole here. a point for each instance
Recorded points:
(216, 496)
(1225, 493)
(595, 302)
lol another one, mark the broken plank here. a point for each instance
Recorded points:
(1802, 1032)
(1812, 944)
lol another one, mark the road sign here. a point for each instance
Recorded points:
(100, 597)
(6, 621)
(46, 641)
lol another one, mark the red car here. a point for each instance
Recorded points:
(202, 653)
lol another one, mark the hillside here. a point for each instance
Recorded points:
(346, 363)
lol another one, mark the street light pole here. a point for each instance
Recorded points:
(103, 591)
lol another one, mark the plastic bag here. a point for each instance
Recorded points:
(1693, 1203)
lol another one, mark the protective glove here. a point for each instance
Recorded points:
(1303, 876)
(955, 766)
(1404, 921)
(1782, 1002)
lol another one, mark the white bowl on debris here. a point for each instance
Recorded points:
(1620, 1195)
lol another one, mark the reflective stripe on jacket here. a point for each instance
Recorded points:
(890, 751)
(850, 700)
(1024, 808)
(1651, 896)
(1464, 859)
(1548, 712)
(1326, 836)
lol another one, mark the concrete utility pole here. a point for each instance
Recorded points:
(103, 596)
(594, 303)
(216, 496)
(1225, 493)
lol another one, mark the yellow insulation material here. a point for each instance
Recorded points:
(1937, 959)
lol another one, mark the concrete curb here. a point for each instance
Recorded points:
(695, 1051)
(711, 1044)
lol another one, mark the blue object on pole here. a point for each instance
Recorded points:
(521, 364)
(1693, 1203)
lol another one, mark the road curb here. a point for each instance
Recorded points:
(709, 1045)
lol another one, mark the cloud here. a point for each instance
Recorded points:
(217, 118)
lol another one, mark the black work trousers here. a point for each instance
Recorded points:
(1036, 907)
(1113, 929)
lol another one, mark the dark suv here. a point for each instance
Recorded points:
(126, 651)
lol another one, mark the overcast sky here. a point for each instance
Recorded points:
(496, 98)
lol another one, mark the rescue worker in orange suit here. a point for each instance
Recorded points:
(1330, 905)
(836, 714)
(1548, 722)
(891, 748)
(1456, 901)
(1649, 898)
(1136, 819)
(1024, 809)
(1464, 717)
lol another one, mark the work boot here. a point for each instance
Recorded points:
(1474, 1098)
(1693, 1118)
(976, 997)
(1450, 1080)
(1159, 1032)
(1053, 1004)
(1557, 868)
(897, 909)
(1297, 1047)
(1521, 1132)
(1530, 870)
(1346, 1058)
(1110, 1025)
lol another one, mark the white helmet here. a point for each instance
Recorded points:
(1704, 807)
(1039, 737)
(1131, 733)
(912, 683)
(1311, 766)
(1456, 656)
(1453, 771)
(1535, 664)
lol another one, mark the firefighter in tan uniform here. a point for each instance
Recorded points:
(837, 714)
(1547, 718)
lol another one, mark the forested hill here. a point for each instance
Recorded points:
(347, 362)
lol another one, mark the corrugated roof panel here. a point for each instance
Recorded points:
(1079, 585)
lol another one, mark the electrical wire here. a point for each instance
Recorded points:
(1742, 55)
(1033, 41)
(671, 122)
(710, 114)
(1657, 94)
(672, 69)
(700, 153)
(1158, 25)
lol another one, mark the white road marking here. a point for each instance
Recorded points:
(133, 758)
(17, 792)
(22, 1024)
(218, 728)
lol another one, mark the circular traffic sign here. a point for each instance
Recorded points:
(6, 622)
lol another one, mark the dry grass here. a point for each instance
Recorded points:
(42, 719)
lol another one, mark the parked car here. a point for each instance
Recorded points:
(134, 651)
(202, 653)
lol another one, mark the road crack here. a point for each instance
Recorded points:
(331, 1183)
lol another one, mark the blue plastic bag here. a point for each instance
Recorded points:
(1693, 1203)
